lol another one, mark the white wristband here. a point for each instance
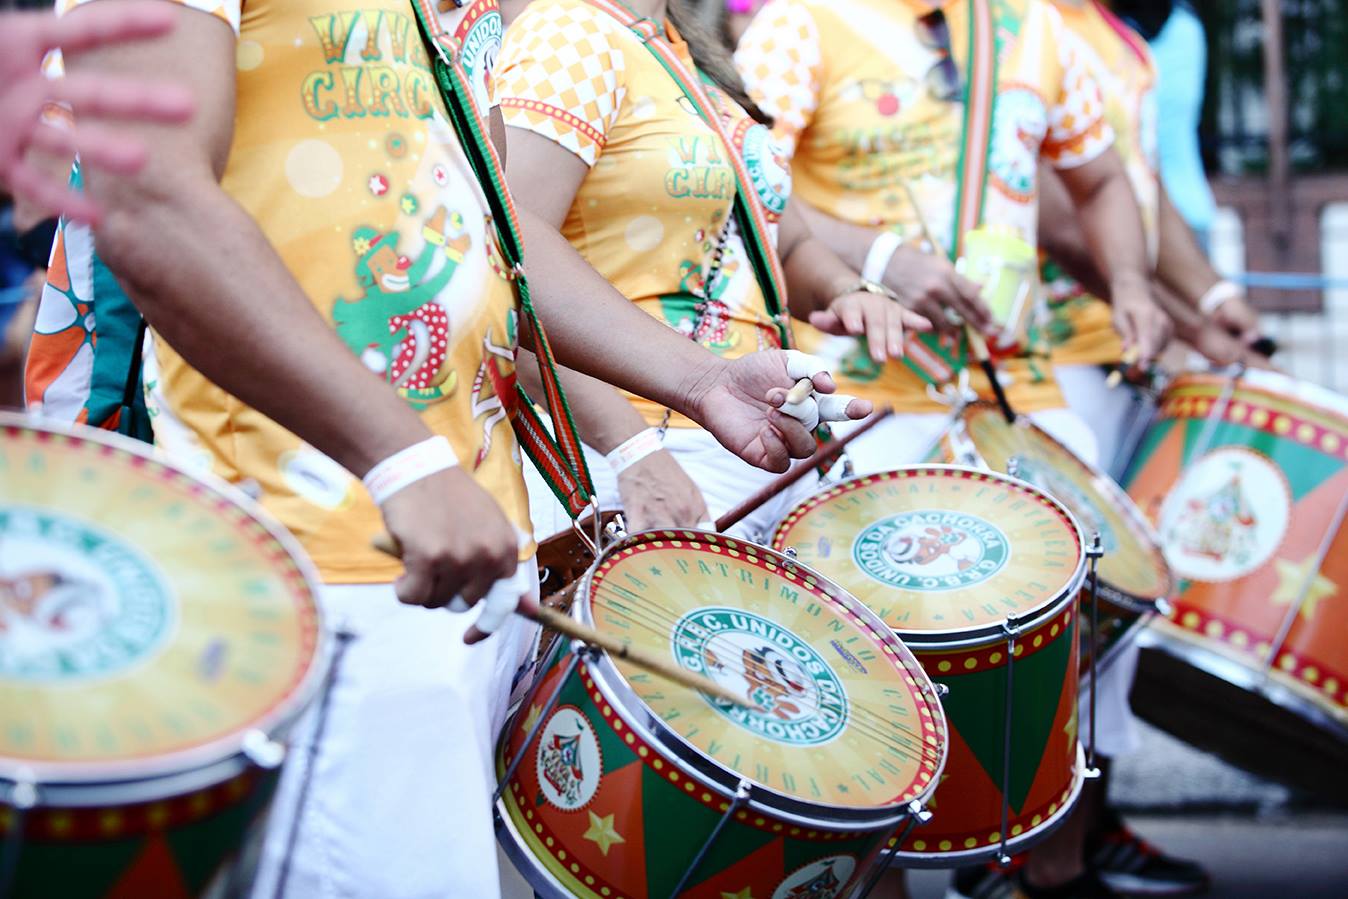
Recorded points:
(1218, 294)
(882, 250)
(408, 466)
(634, 449)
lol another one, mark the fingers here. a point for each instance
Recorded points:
(828, 321)
(803, 365)
(969, 302)
(806, 412)
(795, 433)
(93, 96)
(98, 25)
(877, 325)
(416, 585)
(98, 147)
(35, 187)
(839, 407)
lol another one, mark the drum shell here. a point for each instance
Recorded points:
(667, 811)
(197, 833)
(1293, 439)
(1046, 762)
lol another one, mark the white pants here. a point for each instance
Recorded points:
(1109, 412)
(725, 480)
(398, 800)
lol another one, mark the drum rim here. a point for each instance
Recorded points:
(1128, 511)
(1014, 845)
(972, 636)
(1193, 650)
(163, 769)
(1303, 391)
(651, 728)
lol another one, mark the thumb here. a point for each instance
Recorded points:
(828, 321)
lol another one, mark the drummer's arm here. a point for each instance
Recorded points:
(1184, 268)
(1061, 236)
(1112, 225)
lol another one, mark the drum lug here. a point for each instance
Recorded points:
(917, 815)
(1164, 608)
(790, 551)
(23, 797)
(941, 689)
(262, 750)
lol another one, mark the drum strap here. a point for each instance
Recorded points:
(750, 215)
(1130, 37)
(932, 361)
(560, 459)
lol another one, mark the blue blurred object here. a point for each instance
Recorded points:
(1181, 54)
(14, 269)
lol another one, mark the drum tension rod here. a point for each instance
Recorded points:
(1093, 553)
(741, 798)
(22, 798)
(884, 859)
(1011, 628)
(578, 650)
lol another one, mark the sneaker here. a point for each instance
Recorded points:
(1134, 867)
(1087, 886)
(985, 882)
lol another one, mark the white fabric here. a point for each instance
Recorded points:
(399, 800)
(1109, 412)
(1117, 732)
(724, 478)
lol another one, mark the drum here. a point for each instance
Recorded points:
(614, 783)
(979, 575)
(1247, 481)
(158, 634)
(1134, 577)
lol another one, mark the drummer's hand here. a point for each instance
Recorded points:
(739, 400)
(455, 540)
(1140, 322)
(928, 284)
(879, 319)
(657, 493)
(1237, 317)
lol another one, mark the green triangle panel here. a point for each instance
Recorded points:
(200, 848)
(1304, 467)
(676, 829)
(975, 707)
(1155, 434)
(72, 870)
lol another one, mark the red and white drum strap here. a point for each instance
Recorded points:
(407, 466)
(634, 449)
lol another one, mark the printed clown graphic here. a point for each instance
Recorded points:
(46, 607)
(398, 328)
(1018, 129)
(1220, 525)
(824, 885)
(926, 547)
(775, 682)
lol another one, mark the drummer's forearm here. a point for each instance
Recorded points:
(1061, 235)
(603, 416)
(815, 274)
(1181, 265)
(1111, 222)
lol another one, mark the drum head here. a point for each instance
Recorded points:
(940, 552)
(1133, 563)
(847, 719)
(148, 618)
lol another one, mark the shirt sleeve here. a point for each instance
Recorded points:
(1077, 129)
(780, 59)
(227, 11)
(561, 75)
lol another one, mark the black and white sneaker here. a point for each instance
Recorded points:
(984, 882)
(1087, 886)
(1134, 867)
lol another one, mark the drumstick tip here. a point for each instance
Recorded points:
(800, 391)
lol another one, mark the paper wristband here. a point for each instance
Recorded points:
(882, 250)
(634, 449)
(1218, 294)
(407, 466)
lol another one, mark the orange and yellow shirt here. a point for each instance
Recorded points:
(846, 81)
(654, 212)
(343, 155)
(1081, 331)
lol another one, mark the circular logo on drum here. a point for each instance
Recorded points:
(931, 550)
(75, 602)
(1062, 488)
(568, 761)
(800, 699)
(1226, 516)
(821, 879)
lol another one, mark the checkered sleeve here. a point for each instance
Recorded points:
(1077, 129)
(560, 75)
(780, 59)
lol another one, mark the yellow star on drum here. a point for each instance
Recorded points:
(1070, 728)
(532, 718)
(742, 894)
(1292, 577)
(602, 832)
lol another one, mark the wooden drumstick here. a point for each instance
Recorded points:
(1116, 376)
(614, 646)
(804, 387)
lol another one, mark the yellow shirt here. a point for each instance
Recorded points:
(1081, 331)
(846, 81)
(343, 155)
(656, 202)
